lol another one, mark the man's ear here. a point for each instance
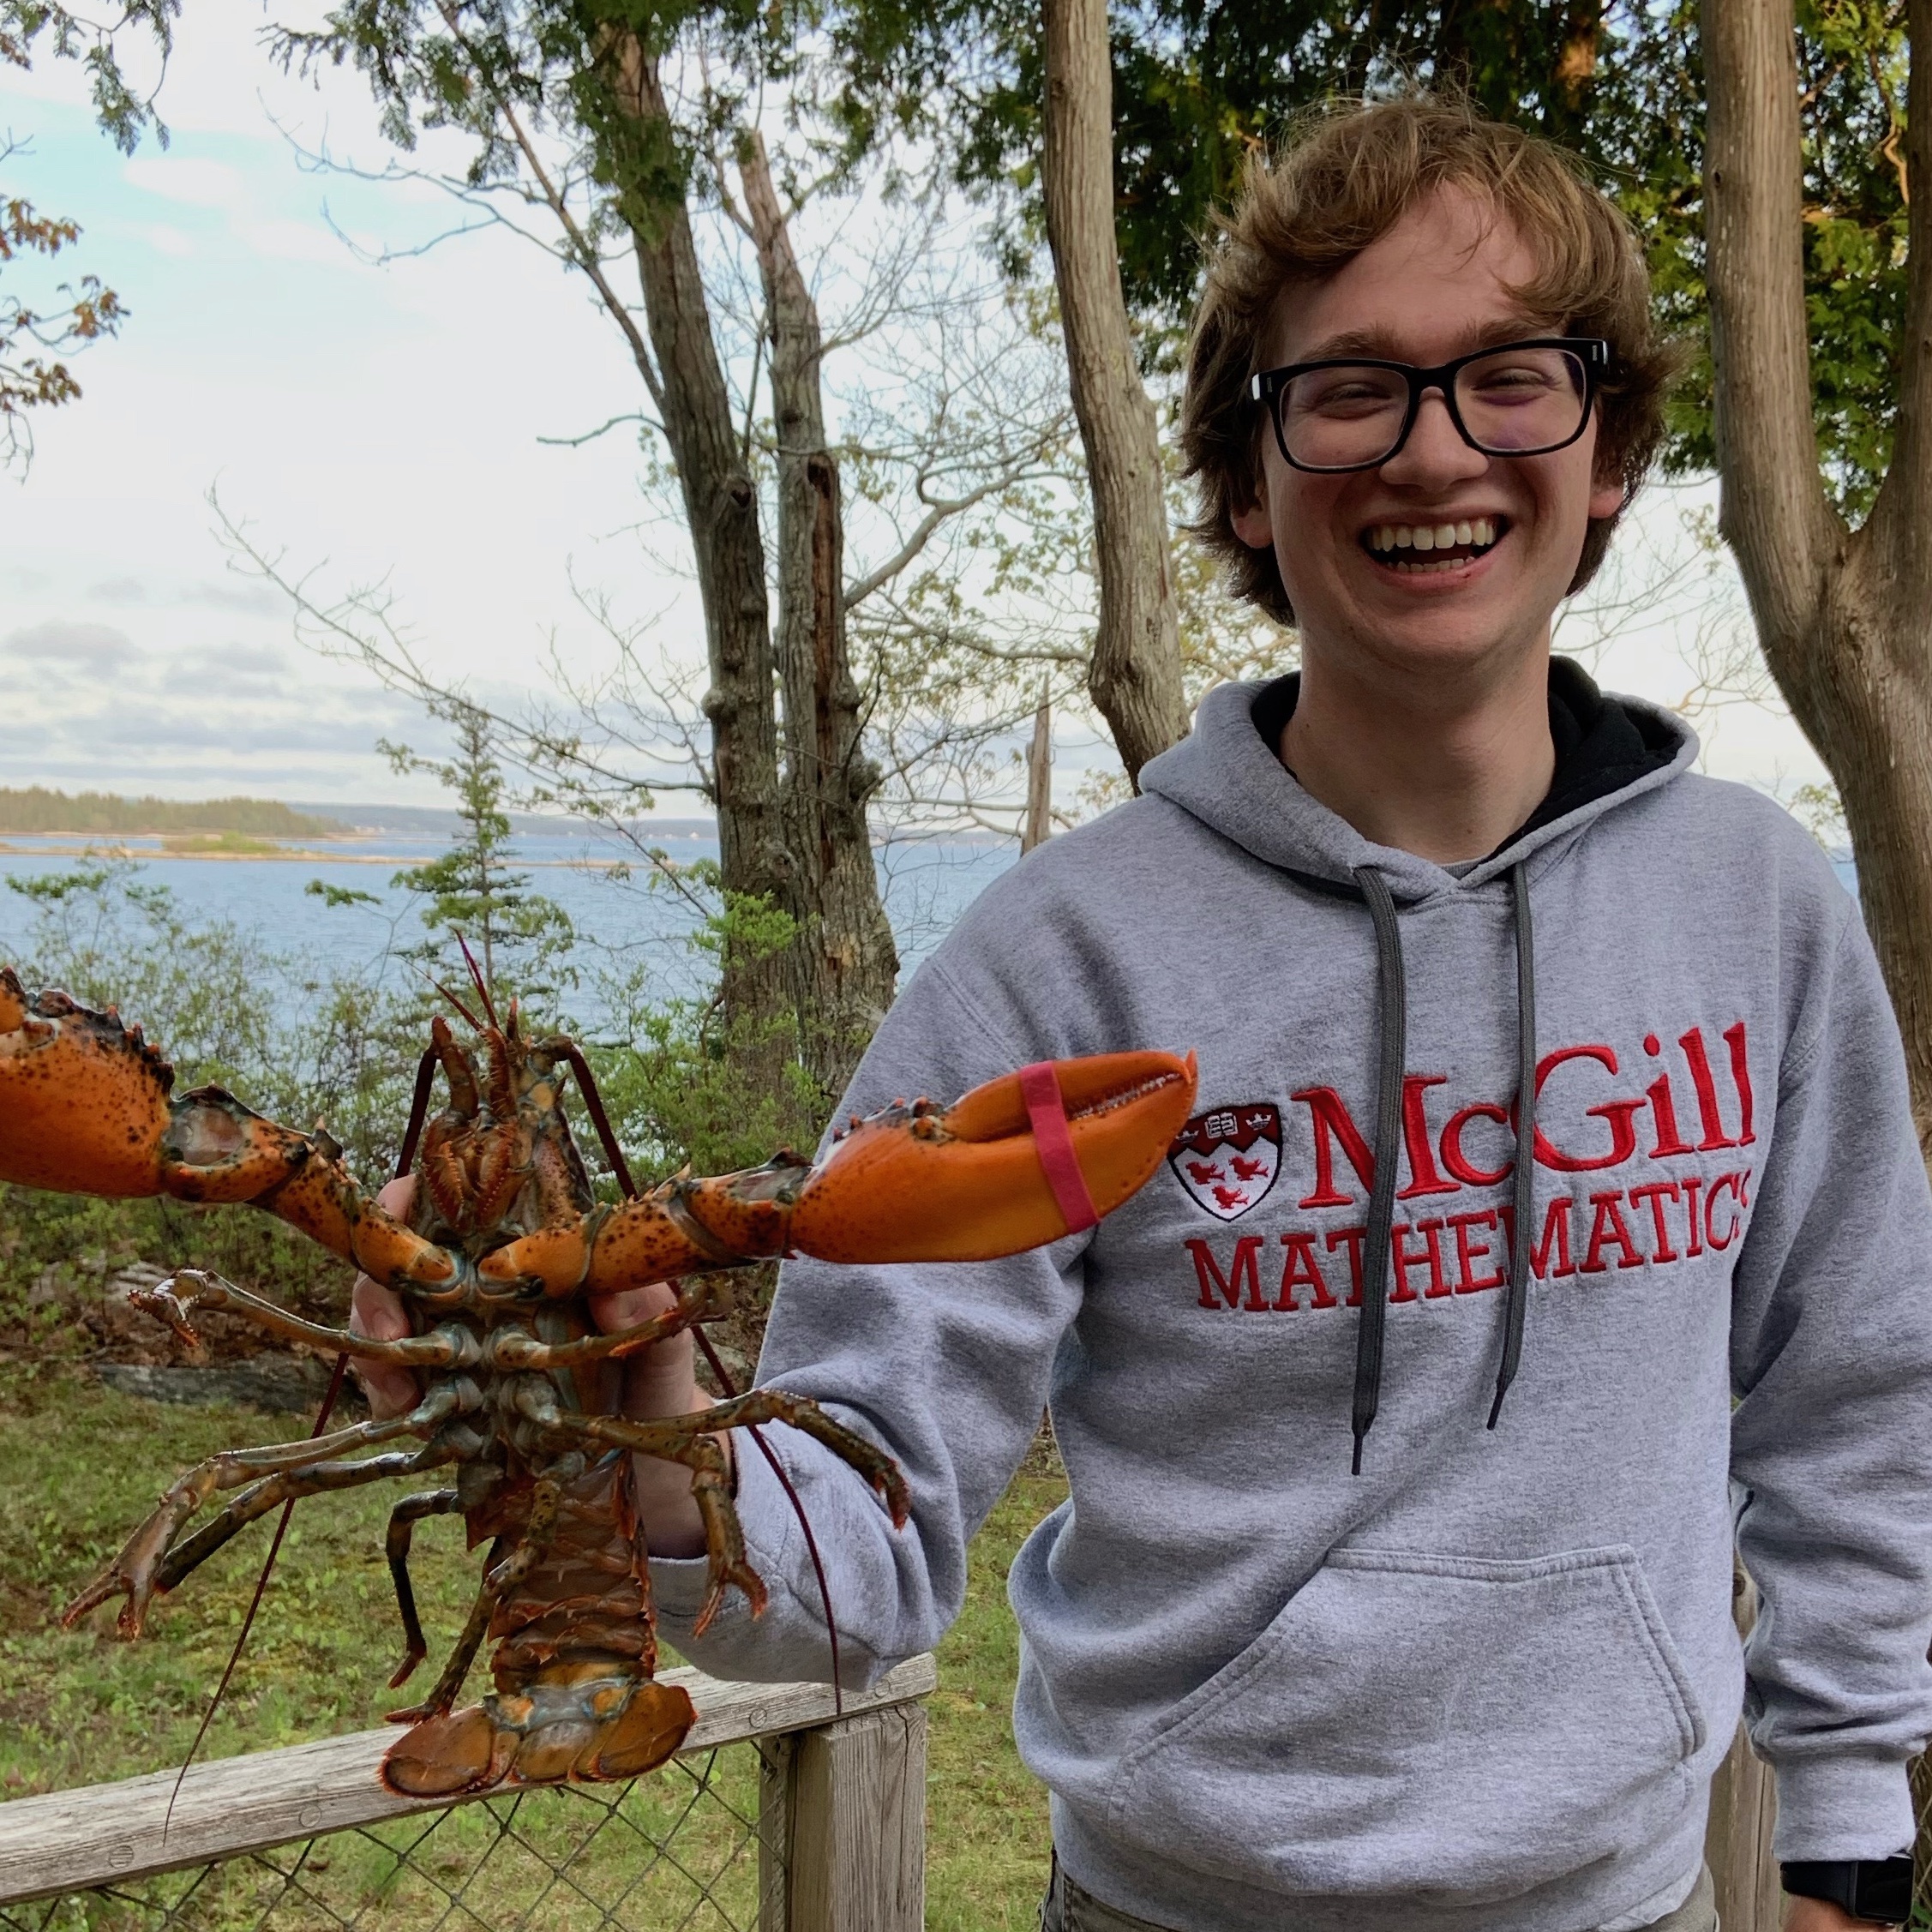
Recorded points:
(1605, 499)
(1251, 523)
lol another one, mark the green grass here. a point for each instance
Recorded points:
(83, 1464)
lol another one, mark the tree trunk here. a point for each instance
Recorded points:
(845, 964)
(720, 507)
(1039, 825)
(1844, 616)
(1136, 674)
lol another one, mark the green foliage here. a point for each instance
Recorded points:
(36, 809)
(520, 939)
(1198, 84)
(124, 114)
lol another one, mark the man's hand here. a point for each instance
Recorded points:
(659, 1383)
(378, 1312)
(1820, 1915)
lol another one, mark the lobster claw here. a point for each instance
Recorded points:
(990, 1175)
(83, 1099)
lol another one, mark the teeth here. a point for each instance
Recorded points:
(1477, 533)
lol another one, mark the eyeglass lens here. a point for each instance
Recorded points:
(1350, 416)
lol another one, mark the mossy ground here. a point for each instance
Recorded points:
(83, 1463)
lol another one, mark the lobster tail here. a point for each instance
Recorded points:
(574, 1695)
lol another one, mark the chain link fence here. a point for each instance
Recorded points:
(679, 1848)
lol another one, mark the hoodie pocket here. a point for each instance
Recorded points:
(1456, 1728)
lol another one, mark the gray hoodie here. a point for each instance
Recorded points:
(1484, 1682)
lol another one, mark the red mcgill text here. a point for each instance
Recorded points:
(1653, 1225)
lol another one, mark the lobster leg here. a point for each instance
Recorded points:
(767, 1405)
(403, 1520)
(190, 1553)
(132, 1573)
(498, 1580)
(688, 1440)
(702, 1297)
(443, 1349)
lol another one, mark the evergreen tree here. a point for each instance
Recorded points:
(520, 939)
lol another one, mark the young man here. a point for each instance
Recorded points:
(1410, 1608)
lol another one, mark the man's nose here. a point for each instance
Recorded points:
(1435, 453)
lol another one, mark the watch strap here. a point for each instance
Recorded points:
(1878, 1890)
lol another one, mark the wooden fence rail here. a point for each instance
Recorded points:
(841, 1837)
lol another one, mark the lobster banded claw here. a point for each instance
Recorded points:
(972, 1183)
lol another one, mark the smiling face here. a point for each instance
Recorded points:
(1442, 559)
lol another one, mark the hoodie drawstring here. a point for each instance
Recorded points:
(1393, 1029)
(1391, 1065)
(1525, 1142)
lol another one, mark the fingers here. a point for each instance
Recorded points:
(395, 1197)
(378, 1312)
(629, 1307)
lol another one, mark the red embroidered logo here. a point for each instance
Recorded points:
(1227, 1159)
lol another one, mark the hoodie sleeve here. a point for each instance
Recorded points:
(1832, 1436)
(945, 1365)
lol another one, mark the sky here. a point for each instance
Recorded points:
(383, 425)
(369, 425)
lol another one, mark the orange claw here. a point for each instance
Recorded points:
(914, 1184)
(85, 1109)
(83, 1099)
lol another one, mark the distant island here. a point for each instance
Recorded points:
(36, 809)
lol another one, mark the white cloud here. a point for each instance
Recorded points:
(295, 241)
(86, 648)
(197, 181)
(168, 241)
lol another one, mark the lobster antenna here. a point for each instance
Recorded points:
(476, 1025)
(255, 1602)
(593, 1102)
(477, 980)
(792, 1497)
(418, 1111)
(593, 1105)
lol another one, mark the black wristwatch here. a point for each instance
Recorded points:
(1879, 1889)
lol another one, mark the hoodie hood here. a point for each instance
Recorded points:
(1609, 749)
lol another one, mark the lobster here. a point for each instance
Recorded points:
(495, 1259)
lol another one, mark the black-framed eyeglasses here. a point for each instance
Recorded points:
(1519, 398)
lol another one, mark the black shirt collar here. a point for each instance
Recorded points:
(1601, 745)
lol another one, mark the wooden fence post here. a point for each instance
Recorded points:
(1743, 1810)
(854, 1807)
(776, 1813)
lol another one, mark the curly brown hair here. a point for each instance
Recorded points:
(1345, 177)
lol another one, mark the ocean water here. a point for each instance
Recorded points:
(621, 920)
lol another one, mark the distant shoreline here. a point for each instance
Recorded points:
(18, 848)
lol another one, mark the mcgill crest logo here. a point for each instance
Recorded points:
(1227, 1159)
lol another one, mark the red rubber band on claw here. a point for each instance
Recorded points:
(1046, 1106)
